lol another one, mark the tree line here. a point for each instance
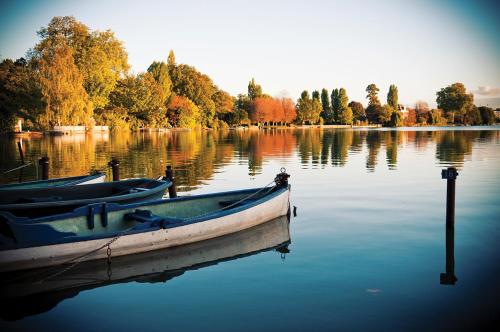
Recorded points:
(77, 76)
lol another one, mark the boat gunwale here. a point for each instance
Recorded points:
(117, 207)
(73, 180)
(162, 186)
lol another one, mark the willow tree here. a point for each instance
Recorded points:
(67, 102)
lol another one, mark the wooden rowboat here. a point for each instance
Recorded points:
(60, 182)
(100, 230)
(37, 291)
(45, 201)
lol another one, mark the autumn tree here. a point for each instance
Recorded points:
(263, 109)
(358, 111)
(289, 111)
(99, 56)
(159, 71)
(198, 87)
(183, 113)
(66, 101)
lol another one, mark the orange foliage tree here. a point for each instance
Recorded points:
(272, 110)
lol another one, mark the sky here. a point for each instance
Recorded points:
(291, 46)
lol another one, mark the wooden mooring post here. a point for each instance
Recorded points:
(450, 175)
(169, 174)
(115, 168)
(21, 152)
(44, 162)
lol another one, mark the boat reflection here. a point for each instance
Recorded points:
(38, 291)
(449, 278)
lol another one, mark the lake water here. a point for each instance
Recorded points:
(365, 252)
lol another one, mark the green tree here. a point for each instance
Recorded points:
(374, 113)
(358, 111)
(456, 103)
(254, 90)
(159, 71)
(315, 94)
(396, 118)
(20, 93)
(304, 107)
(392, 97)
(372, 95)
(487, 115)
(336, 105)
(142, 96)
(326, 114)
(340, 105)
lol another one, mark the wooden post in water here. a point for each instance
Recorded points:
(169, 174)
(115, 167)
(44, 162)
(450, 175)
(21, 152)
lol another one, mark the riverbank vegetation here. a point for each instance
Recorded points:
(78, 76)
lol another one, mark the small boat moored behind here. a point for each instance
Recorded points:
(60, 182)
(34, 202)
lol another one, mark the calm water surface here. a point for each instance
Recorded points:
(366, 249)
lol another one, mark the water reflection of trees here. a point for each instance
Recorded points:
(197, 155)
(453, 146)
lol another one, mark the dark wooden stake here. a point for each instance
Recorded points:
(450, 175)
(115, 167)
(44, 162)
(169, 174)
(21, 153)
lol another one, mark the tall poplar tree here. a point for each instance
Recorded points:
(392, 97)
(325, 103)
(254, 90)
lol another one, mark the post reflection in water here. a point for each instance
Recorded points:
(33, 292)
(449, 278)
